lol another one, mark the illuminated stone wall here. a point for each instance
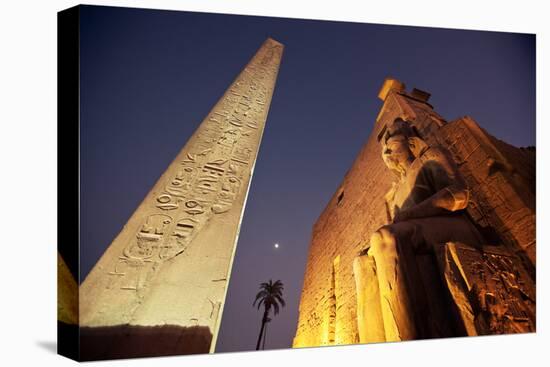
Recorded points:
(502, 183)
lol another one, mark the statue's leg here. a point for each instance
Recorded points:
(369, 314)
(394, 263)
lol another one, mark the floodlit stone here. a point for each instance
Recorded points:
(490, 288)
(164, 277)
(369, 314)
(440, 182)
(389, 85)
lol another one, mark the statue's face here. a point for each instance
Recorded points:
(396, 153)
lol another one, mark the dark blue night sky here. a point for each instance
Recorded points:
(148, 78)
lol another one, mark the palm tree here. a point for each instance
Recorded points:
(271, 296)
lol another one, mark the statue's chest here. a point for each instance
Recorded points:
(414, 188)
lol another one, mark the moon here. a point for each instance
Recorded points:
(276, 245)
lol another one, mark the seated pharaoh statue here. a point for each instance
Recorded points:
(425, 208)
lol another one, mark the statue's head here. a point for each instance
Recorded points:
(400, 146)
(396, 153)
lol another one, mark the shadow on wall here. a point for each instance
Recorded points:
(132, 341)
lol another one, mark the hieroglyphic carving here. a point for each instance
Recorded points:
(230, 131)
(171, 263)
(209, 178)
(492, 291)
(139, 253)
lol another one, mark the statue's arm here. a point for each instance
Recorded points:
(451, 192)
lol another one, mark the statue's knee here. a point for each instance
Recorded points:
(375, 242)
(383, 242)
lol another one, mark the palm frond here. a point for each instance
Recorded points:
(270, 296)
(281, 300)
(276, 307)
(262, 293)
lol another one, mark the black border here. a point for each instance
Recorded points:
(68, 170)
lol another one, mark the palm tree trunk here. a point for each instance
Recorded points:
(264, 320)
(265, 336)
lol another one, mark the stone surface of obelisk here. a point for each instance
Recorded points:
(170, 265)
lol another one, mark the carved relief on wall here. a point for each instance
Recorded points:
(492, 292)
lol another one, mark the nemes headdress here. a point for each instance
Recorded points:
(406, 129)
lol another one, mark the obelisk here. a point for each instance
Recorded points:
(161, 285)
